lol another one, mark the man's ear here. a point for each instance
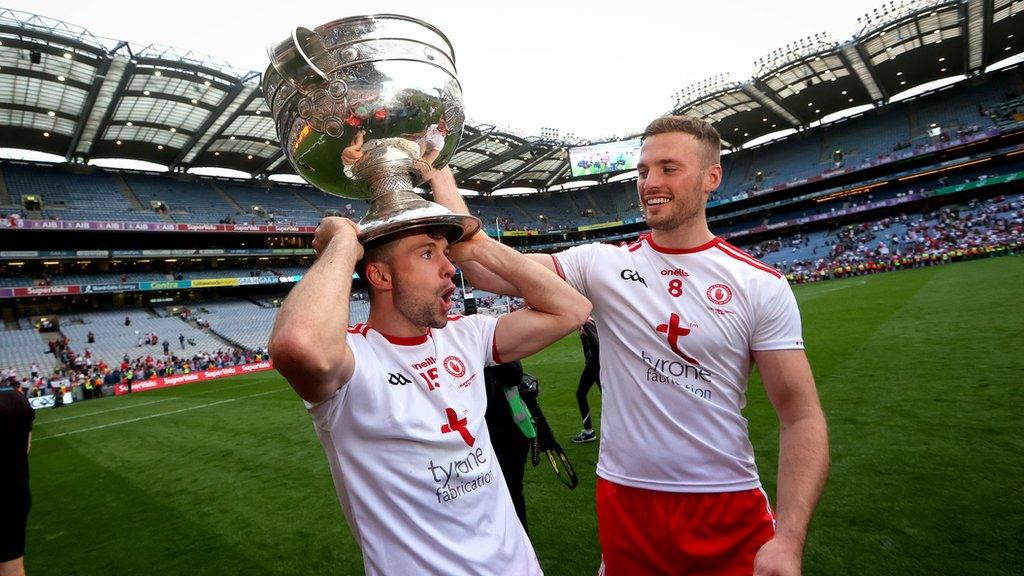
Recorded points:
(378, 274)
(712, 178)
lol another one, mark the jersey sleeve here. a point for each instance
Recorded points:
(778, 319)
(482, 331)
(574, 264)
(326, 412)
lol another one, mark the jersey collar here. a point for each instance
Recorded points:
(709, 244)
(405, 340)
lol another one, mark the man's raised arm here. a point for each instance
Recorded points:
(308, 341)
(554, 308)
(446, 193)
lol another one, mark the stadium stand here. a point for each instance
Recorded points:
(19, 349)
(278, 205)
(951, 233)
(114, 339)
(187, 201)
(864, 140)
(243, 323)
(71, 196)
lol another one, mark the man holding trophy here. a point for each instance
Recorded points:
(365, 107)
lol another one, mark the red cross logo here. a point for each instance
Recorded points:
(456, 424)
(674, 330)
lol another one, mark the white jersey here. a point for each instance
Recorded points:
(411, 458)
(677, 328)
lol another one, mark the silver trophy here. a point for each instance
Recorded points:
(365, 107)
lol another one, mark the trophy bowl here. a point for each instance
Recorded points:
(365, 107)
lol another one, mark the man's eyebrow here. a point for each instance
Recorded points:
(659, 162)
(426, 244)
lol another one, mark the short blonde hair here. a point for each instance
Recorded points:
(701, 130)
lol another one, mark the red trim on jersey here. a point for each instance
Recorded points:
(454, 317)
(558, 267)
(356, 329)
(650, 240)
(494, 350)
(742, 256)
(406, 340)
(636, 244)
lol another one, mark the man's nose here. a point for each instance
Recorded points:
(448, 269)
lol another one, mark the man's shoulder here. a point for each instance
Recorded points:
(360, 329)
(745, 264)
(599, 252)
(459, 324)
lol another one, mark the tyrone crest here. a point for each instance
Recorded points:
(719, 294)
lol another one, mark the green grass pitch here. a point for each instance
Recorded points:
(920, 374)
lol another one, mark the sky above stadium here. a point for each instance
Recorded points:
(593, 69)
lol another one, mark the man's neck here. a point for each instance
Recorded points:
(387, 320)
(683, 237)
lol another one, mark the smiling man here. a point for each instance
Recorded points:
(398, 403)
(683, 316)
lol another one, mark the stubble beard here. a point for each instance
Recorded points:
(687, 216)
(418, 310)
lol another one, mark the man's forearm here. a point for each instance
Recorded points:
(541, 289)
(446, 191)
(803, 468)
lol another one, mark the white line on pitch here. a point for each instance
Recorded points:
(183, 396)
(110, 410)
(157, 415)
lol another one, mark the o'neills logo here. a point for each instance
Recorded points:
(462, 476)
(675, 272)
(719, 294)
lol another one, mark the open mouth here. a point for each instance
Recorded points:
(446, 297)
(656, 201)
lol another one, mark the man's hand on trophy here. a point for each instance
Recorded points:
(464, 250)
(424, 165)
(337, 229)
(354, 152)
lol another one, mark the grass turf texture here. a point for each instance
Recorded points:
(919, 373)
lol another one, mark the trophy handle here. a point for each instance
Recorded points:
(293, 59)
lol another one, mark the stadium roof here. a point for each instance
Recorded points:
(67, 92)
(900, 46)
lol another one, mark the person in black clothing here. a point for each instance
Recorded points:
(16, 416)
(591, 375)
(510, 444)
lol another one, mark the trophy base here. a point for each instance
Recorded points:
(403, 210)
